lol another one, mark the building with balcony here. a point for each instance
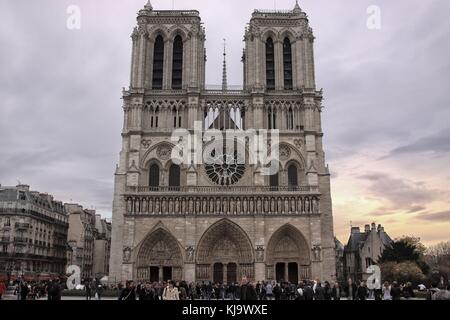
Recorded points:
(33, 233)
(221, 208)
(81, 238)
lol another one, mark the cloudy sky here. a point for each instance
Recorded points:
(386, 122)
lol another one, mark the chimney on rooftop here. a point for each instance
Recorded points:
(355, 230)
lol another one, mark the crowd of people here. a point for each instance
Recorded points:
(182, 291)
(304, 290)
(34, 290)
(245, 290)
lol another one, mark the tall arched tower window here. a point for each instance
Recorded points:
(153, 176)
(174, 177)
(290, 119)
(177, 65)
(292, 176)
(158, 63)
(270, 64)
(287, 63)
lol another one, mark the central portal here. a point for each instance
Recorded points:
(224, 254)
(218, 273)
(225, 273)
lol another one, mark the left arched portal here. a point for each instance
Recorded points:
(159, 258)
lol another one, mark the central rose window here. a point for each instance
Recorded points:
(224, 169)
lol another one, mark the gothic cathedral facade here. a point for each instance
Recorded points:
(221, 221)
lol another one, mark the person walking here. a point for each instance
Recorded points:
(247, 291)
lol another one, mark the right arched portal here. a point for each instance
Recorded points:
(288, 255)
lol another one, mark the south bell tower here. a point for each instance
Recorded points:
(199, 222)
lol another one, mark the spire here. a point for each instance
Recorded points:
(297, 7)
(148, 6)
(224, 72)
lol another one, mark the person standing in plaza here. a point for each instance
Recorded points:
(170, 292)
(24, 290)
(327, 291)
(129, 292)
(55, 291)
(299, 292)
(99, 291)
(308, 291)
(319, 293)
(408, 291)
(182, 293)
(2, 289)
(386, 291)
(87, 288)
(269, 291)
(336, 292)
(350, 290)
(147, 292)
(247, 291)
(361, 291)
(17, 290)
(396, 291)
(277, 291)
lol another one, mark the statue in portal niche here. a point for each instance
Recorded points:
(190, 254)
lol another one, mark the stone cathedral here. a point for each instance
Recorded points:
(219, 221)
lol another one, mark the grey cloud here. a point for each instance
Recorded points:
(443, 216)
(401, 194)
(416, 209)
(437, 143)
(388, 211)
(381, 213)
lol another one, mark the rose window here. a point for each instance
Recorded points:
(224, 169)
